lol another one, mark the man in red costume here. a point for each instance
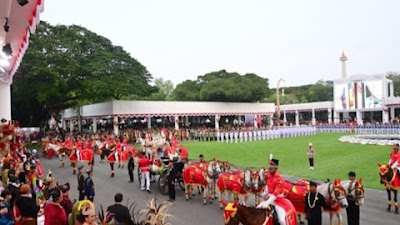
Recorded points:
(144, 166)
(274, 191)
(394, 161)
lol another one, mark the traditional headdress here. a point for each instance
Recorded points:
(86, 208)
(273, 163)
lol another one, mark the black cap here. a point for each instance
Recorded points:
(352, 174)
(89, 171)
(5, 193)
(201, 155)
(3, 120)
(312, 183)
(80, 167)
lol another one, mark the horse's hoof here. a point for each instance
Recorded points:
(205, 203)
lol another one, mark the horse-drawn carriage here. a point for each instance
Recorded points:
(163, 179)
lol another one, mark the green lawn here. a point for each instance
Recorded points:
(333, 159)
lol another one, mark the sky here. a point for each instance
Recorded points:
(299, 41)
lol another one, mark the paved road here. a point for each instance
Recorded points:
(192, 212)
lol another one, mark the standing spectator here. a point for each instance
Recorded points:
(66, 203)
(121, 213)
(89, 185)
(144, 166)
(314, 202)
(54, 213)
(171, 180)
(5, 209)
(81, 184)
(13, 187)
(353, 210)
(310, 155)
(4, 173)
(27, 206)
(131, 167)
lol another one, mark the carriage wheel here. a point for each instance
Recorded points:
(162, 185)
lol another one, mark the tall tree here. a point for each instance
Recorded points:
(69, 65)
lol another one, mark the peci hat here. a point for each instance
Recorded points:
(80, 167)
(352, 174)
(89, 171)
(313, 183)
(201, 155)
(64, 188)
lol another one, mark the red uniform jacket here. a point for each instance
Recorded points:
(144, 164)
(394, 157)
(275, 184)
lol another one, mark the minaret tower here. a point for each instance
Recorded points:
(343, 59)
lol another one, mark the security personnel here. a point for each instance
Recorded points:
(274, 190)
(353, 210)
(394, 161)
(81, 183)
(131, 167)
(89, 185)
(171, 173)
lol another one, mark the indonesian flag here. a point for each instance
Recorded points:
(164, 133)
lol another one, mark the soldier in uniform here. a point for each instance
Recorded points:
(394, 161)
(231, 135)
(236, 134)
(81, 183)
(89, 185)
(245, 132)
(274, 190)
(250, 135)
(241, 135)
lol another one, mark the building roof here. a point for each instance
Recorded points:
(307, 107)
(168, 108)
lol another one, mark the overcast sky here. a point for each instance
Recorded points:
(299, 40)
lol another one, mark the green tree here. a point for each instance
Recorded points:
(66, 66)
(188, 90)
(165, 90)
(395, 77)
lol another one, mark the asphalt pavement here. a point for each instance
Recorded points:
(191, 212)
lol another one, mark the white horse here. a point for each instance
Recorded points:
(213, 171)
(259, 180)
(334, 193)
(56, 148)
(355, 190)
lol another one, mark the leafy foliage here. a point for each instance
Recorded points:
(223, 86)
(69, 65)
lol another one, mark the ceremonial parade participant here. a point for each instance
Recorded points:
(394, 161)
(314, 202)
(273, 191)
(89, 185)
(226, 135)
(236, 134)
(231, 135)
(201, 158)
(121, 212)
(222, 135)
(250, 135)
(310, 155)
(171, 173)
(144, 166)
(81, 183)
(131, 167)
(245, 134)
(218, 134)
(353, 210)
(241, 135)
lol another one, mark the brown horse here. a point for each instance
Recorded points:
(390, 178)
(87, 155)
(235, 213)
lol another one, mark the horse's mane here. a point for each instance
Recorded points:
(253, 208)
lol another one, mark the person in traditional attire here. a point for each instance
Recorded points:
(353, 210)
(394, 161)
(171, 173)
(54, 213)
(273, 191)
(144, 166)
(310, 155)
(27, 206)
(81, 183)
(313, 205)
(86, 213)
(66, 203)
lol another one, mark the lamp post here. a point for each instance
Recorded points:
(278, 104)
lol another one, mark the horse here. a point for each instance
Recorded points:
(99, 146)
(332, 192)
(355, 190)
(235, 213)
(205, 178)
(49, 149)
(85, 155)
(391, 180)
(260, 181)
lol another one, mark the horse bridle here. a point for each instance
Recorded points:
(336, 192)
